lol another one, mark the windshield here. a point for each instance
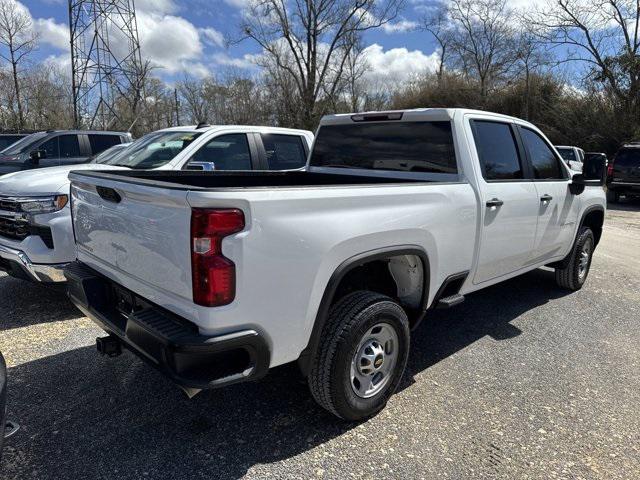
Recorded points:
(400, 146)
(568, 154)
(23, 144)
(153, 150)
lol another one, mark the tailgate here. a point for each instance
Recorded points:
(138, 231)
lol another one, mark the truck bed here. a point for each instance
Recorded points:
(197, 180)
(134, 228)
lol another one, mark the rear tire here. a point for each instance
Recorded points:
(575, 273)
(361, 357)
(612, 196)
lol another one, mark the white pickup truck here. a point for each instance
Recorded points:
(214, 279)
(36, 237)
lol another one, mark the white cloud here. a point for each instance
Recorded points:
(52, 33)
(399, 26)
(212, 36)
(168, 41)
(159, 7)
(238, 3)
(246, 62)
(397, 64)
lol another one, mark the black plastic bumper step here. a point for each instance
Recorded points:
(451, 301)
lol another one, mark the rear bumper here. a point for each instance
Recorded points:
(624, 187)
(18, 264)
(167, 342)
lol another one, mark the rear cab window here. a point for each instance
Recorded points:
(497, 150)
(628, 157)
(402, 146)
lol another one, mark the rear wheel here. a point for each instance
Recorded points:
(361, 357)
(612, 196)
(575, 273)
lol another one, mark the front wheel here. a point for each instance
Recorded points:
(361, 357)
(576, 271)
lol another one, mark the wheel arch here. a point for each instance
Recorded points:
(593, 217)
(332, 294)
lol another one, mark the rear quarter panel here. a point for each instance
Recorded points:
(295, 239)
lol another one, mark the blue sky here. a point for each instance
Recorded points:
(185, 37)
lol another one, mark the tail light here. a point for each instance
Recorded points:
(213, 275)
(610, 168)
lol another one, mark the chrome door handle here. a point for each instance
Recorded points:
(546, 198)
(494, 202)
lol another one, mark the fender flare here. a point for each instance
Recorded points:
(304, 361)
(593, 208)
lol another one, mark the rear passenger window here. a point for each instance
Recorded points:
(51, 147)
(226, 152)
(497, 150)
(100, 143)
(69, 146)
(284, 152)
(546, 165)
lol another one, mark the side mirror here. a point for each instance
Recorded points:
(37, 155)
(595, 169)
(201, 166)
(577, 184)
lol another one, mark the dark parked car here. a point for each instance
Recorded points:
(8, 139)
(59, 147)
(623, 175)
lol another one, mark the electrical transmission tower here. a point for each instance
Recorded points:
(105, 59)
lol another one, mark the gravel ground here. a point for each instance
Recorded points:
(521, 381)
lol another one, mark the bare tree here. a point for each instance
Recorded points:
(18, 39)
(439, 24)
(603, 34)
(530, 57)
(311, 40)
(192, 92)
(484, 39)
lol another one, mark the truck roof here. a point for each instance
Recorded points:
(257, 128)
(93, 132)
(415, 114)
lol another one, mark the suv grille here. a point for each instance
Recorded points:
(15, 229)
(9, 205)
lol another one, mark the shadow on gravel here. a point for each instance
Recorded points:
(23, 303)
(85, 416)
(625, 205)
(487, 312)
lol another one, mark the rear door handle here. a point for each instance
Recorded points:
(494, 202)
(546, 198)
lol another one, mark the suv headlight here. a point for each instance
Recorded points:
(38, 205)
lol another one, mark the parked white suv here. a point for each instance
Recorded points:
(215, 279)
(36, 238)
